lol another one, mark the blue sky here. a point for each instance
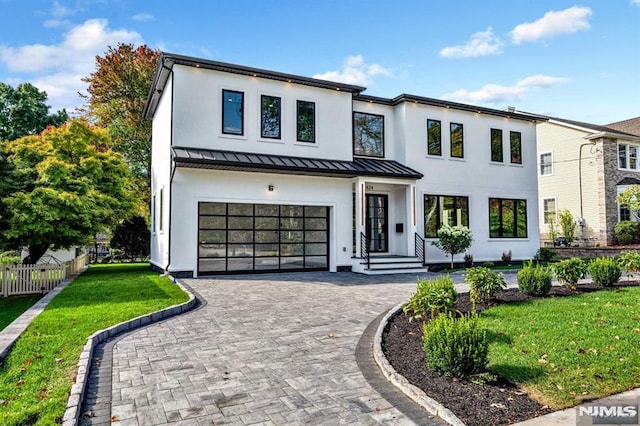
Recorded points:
(578, 60)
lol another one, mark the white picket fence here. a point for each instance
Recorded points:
(38, 279)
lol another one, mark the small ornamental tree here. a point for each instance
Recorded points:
(630, 198)
(453, 240)
(567, 224)
(133, 237)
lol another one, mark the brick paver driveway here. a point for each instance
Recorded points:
(270, 349)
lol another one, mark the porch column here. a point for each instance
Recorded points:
(412, 217)
(360, 225)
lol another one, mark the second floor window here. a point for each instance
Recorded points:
(516, 147)
(628, 157)
(546, 164)
(232, 112)
(270, 115)
(306, 121)
(496, 145)
(457, 141)
(368, 134)
(434, 137)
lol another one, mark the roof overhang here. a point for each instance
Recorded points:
(281, 164)
(612, 135)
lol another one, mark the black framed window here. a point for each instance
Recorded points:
(270, 116)
(516, 147)
(306, 121)
(496, 145)
(232, 112)
(444, 210)
(624, 213)
(434, 137)
(457, 140)
(368, 134)
(507, 218)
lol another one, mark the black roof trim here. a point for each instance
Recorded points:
(168, 60)
(269, 163)
(446, 104)
(595, 127)
(629, 181)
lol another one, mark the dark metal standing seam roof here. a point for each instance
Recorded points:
(269, 163)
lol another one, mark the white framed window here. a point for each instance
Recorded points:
(628, 156)
(549, 210)
(546, 164)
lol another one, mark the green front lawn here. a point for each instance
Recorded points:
(38, 374)
(12, 307)
(565, 350)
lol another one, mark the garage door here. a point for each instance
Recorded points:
(262, 238)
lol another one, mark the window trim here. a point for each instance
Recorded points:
(515, 221)
(550, 153)
(313, 132)
(224, 104)
(512, 133)
(451, 124)
(430, 121)
(353, 126)
(262, 135)
(438, 212)
(501, 160)
(555, 209)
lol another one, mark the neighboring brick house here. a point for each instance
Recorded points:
(631, 125)
(582, 167)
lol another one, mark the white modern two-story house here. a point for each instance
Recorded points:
(255, 170)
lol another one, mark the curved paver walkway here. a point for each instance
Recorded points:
(270, 349)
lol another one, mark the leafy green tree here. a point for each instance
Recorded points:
(453, 239)
(65, 187)
(630, 198)
(567, 224)
(118, 92)
(133, 237)
(24, 111)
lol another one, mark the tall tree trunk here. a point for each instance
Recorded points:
(451, 260)
(35, 253)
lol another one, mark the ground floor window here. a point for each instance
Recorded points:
(444, 210)
(549, 210)
(507, 218)
(624, 213)
(262, 237)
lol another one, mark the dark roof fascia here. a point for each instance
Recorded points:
(589, 126)
(447, 104)
(345, 169)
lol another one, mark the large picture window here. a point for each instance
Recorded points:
(434, 137)
(368, 134)
(444, 210)
(546, 164)
(496, 145)
(507, 218)
(232, 112)
(457, 140)
(306, 121)
(516, 147)
(270, 116)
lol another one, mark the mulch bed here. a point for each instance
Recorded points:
(496, 403)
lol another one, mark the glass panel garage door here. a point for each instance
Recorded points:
(262, 237)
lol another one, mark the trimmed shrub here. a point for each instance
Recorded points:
(455, 347)
(604, 271)
(484, 283)
(534, 280)
(567, 224)
(468, 260)
(545, 254)
(627, 232)
(630, 262)
(434, 297)
(569, 271)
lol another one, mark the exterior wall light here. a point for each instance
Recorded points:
(270, 188)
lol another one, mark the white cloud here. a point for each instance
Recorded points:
(142, 17)
(552, 24)
(482, 43)
(355, 71)
(58, 68)
(635, 2)
(497, 93)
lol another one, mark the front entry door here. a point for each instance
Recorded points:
(377, 226)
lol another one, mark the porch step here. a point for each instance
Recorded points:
(387, 264)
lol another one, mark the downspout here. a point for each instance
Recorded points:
(581, 221)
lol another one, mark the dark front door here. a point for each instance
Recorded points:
(377, 226)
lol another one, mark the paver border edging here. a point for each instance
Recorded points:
(76, 396)
(413, 392)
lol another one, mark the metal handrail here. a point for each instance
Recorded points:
(420, 247)
(364, 249)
